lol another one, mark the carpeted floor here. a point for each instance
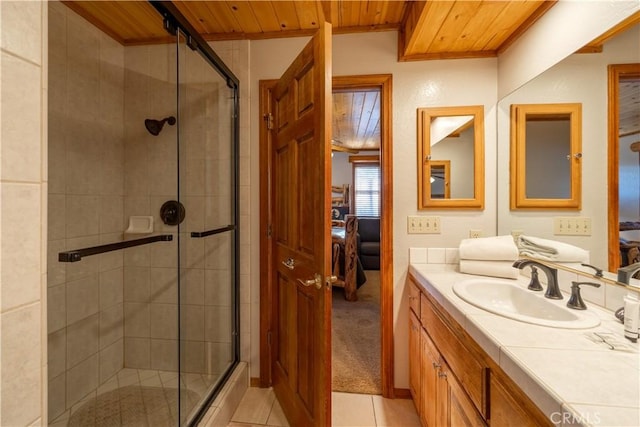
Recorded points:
(356, 339)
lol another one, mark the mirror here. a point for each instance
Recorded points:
(451, 158)
(545, 167)
(565, 83)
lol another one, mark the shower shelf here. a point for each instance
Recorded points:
(212, 232)
(76, 255)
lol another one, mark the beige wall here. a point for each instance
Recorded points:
(23, 174)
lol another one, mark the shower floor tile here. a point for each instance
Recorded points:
(139, 397)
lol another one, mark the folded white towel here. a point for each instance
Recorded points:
(489, 268)
(497, 248)
(551, 250)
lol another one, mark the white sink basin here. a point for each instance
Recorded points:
(515, 301)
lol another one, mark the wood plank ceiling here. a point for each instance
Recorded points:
(426, 30)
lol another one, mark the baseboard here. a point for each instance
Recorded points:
(402, 393)
(254, 382)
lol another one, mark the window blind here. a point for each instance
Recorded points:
(366, 177)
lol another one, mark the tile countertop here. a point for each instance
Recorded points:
(572, 379)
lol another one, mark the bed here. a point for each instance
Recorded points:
(346, 264)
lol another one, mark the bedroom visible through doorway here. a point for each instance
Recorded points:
(356, 191)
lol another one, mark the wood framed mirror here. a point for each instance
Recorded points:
(545, 157)
(451, 157)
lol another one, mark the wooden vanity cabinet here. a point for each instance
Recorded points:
(444, 401)
(453, 381)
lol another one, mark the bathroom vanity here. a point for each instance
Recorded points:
(469, 366)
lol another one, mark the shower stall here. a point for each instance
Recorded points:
(143, 322)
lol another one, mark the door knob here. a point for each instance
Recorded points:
(316, 281)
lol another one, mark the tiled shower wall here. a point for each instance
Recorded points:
(23, 173)
(86, 153)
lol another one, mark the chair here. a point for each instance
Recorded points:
(369, 242)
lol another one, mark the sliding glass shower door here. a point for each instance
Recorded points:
(207, 244)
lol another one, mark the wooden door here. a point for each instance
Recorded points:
(300, 177)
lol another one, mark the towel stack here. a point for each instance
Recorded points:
(489, 256)
(551, 250)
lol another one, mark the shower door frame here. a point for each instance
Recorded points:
(176, 24)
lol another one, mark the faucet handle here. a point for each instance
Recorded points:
(575, 301)
(598, 270)
(534, 284)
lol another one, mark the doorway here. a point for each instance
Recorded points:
(356, 190)
(623, 165)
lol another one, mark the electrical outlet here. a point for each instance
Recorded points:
(474, 234)
(572, 226)
(420, 224)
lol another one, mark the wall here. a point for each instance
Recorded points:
(566, 82)
(342, 169)
(85, 299)
(341, 172)
(415, 84)
(23, 207)
(540, 48)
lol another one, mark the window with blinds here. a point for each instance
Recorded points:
(366, 186)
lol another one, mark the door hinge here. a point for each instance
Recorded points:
(269, 119)
(269, 231)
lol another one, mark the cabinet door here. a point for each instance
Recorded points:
(462, 412)
(432, 411)
(415, 362)
(506, 411)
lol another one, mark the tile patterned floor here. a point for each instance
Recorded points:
(259, 407)
(136, 397)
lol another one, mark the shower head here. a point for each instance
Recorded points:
(155, 126)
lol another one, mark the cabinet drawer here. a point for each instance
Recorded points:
(414, 297)
(471, 374)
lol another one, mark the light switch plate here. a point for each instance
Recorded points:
(572, 226)
(420, 224)
(474, 234)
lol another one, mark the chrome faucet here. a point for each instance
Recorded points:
(626, 273)
(553, 290)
